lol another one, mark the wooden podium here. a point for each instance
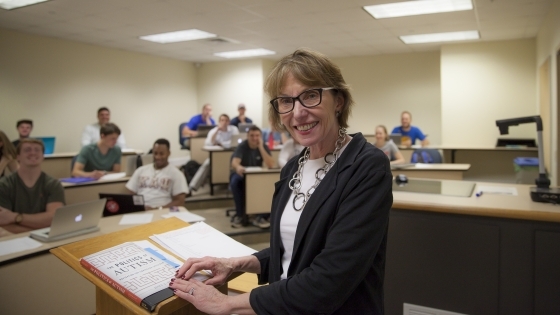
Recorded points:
(107, 299)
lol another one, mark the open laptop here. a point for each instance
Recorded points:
(396, 137)
(48, 142)
(244, 128)
(72, 220)
(237, 139)
(122, 203)
(203, 130)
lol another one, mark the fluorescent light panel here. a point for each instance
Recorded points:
(418, 7)
(245, 53)
(439, 37)
(14, 4)
(178, 36)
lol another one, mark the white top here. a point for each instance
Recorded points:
(223, 138)
(158, 186)
(91, 135)
(288, 151)
(290, 217)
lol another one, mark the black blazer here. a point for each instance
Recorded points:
(338, 260)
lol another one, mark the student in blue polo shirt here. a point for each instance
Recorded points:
(201, 119)
(410, 133)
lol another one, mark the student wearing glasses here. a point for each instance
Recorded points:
(330, 209)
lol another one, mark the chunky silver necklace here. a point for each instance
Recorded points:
(330, 159)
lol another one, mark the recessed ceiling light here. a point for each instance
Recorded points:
(14, 4)
(419, 7)
(178, 36)
(245, 53)
(439, 37)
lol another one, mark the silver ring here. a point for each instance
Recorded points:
(191, 292)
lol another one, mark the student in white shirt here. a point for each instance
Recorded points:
(221, 135)
(91, 132)
(162, 184)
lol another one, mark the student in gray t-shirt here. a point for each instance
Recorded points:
(388, 147)
(95, 160)
(29, 197)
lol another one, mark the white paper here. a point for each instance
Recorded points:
(18, 245)
(500, 190)
(185, 216)
(143, 218)
(113, 176)
(199, 240)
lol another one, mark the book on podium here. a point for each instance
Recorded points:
(140, 274)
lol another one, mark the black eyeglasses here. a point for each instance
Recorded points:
(309, 98)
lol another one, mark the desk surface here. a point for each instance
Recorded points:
(95, 182)
(72, 154)
(432, 167)
(106, 225)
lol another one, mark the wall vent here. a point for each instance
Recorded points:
(411, 309)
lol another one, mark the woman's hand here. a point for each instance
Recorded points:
(221, 269)
(204, 297)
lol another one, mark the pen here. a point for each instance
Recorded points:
(478, 194)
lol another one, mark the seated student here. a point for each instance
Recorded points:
(241, 118)
(221, 134)
(383, 143)
(205, 118)
(29, 197)
(90, 135)
(96, 159)
(410, 133)
(290, 149)
(8, 156)
(24, 128)
(251, 152)
(162, 184)
(271, 134)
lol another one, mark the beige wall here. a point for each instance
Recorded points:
(384, 86)
(61, 84)
(226, 84)
(483, 82)
(548, 45)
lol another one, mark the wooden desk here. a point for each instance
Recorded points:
(259, 189)
(433, 171)
(493, 254)
(197, 153)
(55, 287)
(58, 165)
(487, 163)
(220, 164)
(108, 300)
(76, 193)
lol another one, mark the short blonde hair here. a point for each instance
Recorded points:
(313, 69)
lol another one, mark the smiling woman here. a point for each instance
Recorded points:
(330, 209)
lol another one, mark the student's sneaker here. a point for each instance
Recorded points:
(261, 222)
(237, 222)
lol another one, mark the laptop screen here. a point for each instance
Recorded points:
(244, 128)
(122, 203)
(49, 144)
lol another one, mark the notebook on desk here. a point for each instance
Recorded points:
(72, 220)
(122, 203)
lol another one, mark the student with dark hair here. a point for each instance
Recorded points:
(96, 159)
(8, 156)
(162, 184)
(251, 152)
(91, 133)
(221, 134)
(24, 128)
(29, 197)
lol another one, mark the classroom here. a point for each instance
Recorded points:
(455, 91)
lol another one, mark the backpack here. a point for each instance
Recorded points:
(189, 169)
